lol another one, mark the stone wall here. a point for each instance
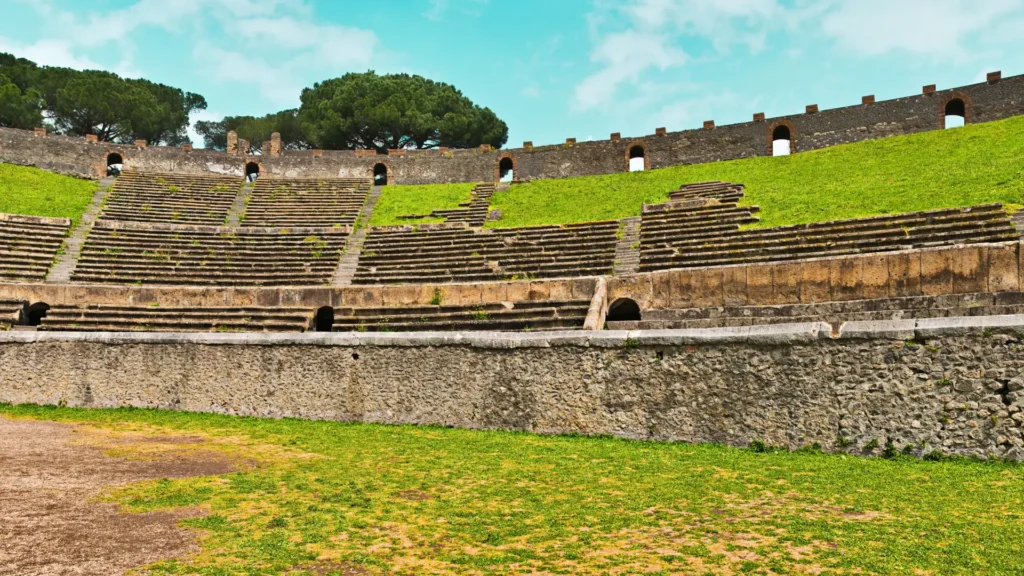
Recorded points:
(950, 384)
(994, 100)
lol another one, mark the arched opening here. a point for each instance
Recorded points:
(782, 141)
(324, 319)
(380, 175)
(252, 172)
(506, 170)
(115, 163)
(623, 310)
(955, 113)
(34, 314)
(636, 158)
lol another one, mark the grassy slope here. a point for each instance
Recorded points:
(27, 190)
(426, 500)
(402, 200)
(972, 165)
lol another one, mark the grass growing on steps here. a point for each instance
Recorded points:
(398, 201)
(975, 164)
(35, 192)
(370, 499)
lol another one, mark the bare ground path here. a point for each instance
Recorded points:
(50, 520)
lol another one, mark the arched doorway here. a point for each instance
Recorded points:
(324, 319)
(506, 170)
(955, 114)
(782, 141)
(623, 310)
(637, 158)
(34, 314)
(252, 172)
(115, 163)
(380, 175)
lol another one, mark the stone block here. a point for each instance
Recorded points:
(615, 136)
(1003, 268)
(993, 77)
(570, 141)
(362, 296)
(559, 290)
(517, 291)
(936, 275)
(582, 288)
(403, 295)
(661, 289)
(709, 124)
(847, 276)
(91, 138)
(707, 287)
(734, 286)
(637, 288)
(759, 117)
(905, 274)
(875, 276)
(464, 294)
(867, 100)
(528, 145)
(815, 281)
(812, 109)
(929, 89)
(39, 132)
(660, 131)
(969, 267)
(786, 278)
(759, 285)
(491, 292)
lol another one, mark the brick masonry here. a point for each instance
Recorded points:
(993, 100)
(949, 384)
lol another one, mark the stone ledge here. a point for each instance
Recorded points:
(105, 224)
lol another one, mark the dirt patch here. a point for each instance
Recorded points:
(415, 495)
(332, 568)
(50, 521)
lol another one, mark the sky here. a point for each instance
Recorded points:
(551, 69)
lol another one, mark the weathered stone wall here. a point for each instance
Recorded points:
(946, 384)
(984, 102)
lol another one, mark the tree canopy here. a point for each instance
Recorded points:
(367, 111)
(255, 130)
(84, 102)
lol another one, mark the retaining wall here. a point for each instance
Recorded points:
(984, 102)
(951, 384)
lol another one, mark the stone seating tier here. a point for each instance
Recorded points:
(910, 307)
(722, 191)
(204, 255)
(691, 246)
(160, 319)
(452, 253)
(306, 202)
(550, 315)
(28, 245)
(10, 313)
(171, 198)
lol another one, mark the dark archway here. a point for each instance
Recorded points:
(34, 314)
(637, 158)
(380, 175)
(623, 310)
(782, 141)
(955, 114)
(506, 170)
(115, 163)
(324, 319)
(252, 172)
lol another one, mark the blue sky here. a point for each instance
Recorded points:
(550, 68)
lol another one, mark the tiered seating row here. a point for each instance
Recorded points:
(474, 212)
(28, 245)
(718, 190)
(306, 202)
(910, 307)
(171, 198)
(710, 236)
(10, 313)
(160, 319)
(196, 255)
(453, 253)
(553, 315)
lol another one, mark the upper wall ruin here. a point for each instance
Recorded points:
(995, 99)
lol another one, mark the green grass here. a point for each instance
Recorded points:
(976, 164)
(428, 500)
(403, 200)
(35, 192)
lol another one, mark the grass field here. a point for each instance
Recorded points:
(334, 498)
(28, 190)
(398, 201)
(975, 164)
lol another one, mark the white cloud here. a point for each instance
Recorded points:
(51, 52)
(929, 27)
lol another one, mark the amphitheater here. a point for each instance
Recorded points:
(253, 285)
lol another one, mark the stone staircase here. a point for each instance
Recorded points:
(29, 245)
(237, 211)
(64, 266)
(10, 313)
(354, 246)
(627, 249)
